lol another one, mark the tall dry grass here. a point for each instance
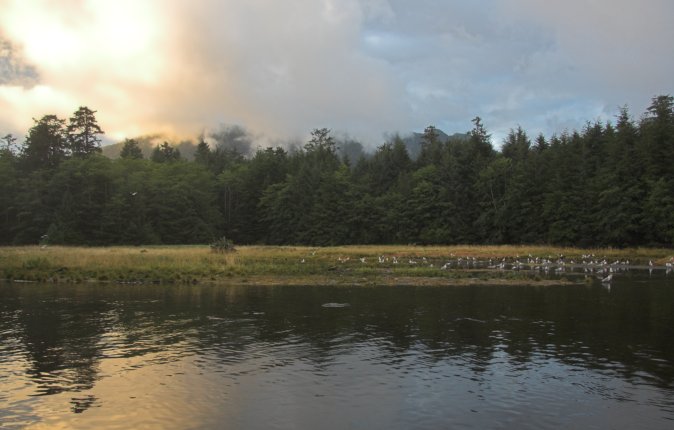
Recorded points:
(199, 263)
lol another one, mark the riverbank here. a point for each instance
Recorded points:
(296, 265)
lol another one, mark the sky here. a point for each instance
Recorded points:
(362, 68)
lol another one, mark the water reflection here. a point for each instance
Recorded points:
(535, 357)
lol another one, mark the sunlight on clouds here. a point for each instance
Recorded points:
(361, 66)
(129, 34)
(27, 103)
(99, 53)
(176, 67)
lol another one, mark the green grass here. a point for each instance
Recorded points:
(287, 264)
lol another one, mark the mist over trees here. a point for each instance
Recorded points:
(609, 184)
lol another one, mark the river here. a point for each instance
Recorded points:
(212, 357)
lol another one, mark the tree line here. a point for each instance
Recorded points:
(609, 184)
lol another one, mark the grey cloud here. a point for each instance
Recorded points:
(14, 70)
(366, 67)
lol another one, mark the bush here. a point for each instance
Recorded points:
(222, 245)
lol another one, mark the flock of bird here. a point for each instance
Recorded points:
(600, 267)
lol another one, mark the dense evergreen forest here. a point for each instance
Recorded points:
(610, 184)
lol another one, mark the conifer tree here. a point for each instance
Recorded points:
(165, 153)
(46, 144)
(203, 153)
(131, 150)
(82, 132)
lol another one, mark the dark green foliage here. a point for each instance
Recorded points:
(82, 131)
(9, 183)
(606, 185)
(78, 193)
(180, 203)
(131, 150)
(203, 154)
(9, 141)
(241, 189)
(46, 144)
(431, 146)
(165, 153)
(381, 171)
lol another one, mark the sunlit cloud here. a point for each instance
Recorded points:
(365, 67)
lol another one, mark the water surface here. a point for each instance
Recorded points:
(338, 357)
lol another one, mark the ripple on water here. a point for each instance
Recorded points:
(398, 363)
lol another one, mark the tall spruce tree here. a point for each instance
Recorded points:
(131, 150)
(165, 153)
(82, 132)
(203, 154)
(46, 144)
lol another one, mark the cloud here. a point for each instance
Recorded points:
(548, 66)
(287, 67)
(171, 66)
(365, 67)
(603, 54)
(84, 53)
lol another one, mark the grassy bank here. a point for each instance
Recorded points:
(291, 265)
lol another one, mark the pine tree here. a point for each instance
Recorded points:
(203, 153)
(46, 144)
(82, 133)
(10, 141)
(131, 150)
(657, 129)
(165, 153)
(431, 147)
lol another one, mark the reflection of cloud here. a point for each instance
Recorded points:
(131, 391)
(361, 66)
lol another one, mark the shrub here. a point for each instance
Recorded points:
(222, 245)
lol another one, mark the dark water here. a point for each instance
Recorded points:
(339, 357)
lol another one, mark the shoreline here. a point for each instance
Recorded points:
(386, 265)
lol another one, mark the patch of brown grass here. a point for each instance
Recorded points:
(272, 264)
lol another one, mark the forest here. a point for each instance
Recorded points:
(609, 184)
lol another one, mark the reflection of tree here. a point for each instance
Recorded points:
(81, 404)
(66, 331)
(463, 323)
(61, 337)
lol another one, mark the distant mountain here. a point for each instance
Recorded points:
(350, 149)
